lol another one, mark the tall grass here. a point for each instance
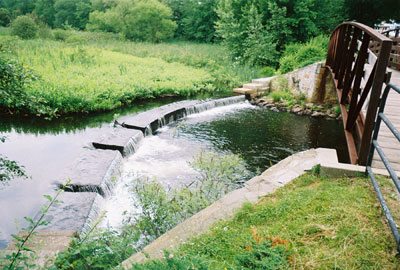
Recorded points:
(86, 72)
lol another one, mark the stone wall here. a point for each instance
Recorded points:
(313, 81)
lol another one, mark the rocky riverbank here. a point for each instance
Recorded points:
(310, 109)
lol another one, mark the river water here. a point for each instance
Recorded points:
(261, 137)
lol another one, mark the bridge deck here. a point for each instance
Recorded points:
(386, 139)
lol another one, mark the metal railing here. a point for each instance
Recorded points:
(381, 117)
(358, 77)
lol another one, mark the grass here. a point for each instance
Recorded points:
(312, 223)
(87, 72)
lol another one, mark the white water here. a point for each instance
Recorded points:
(164, 157)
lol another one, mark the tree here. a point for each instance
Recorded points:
(19, 7)
(44, 9)
(257, 31)
(73, 13)
(148, 21)
(104, 21)
(195, 19)
(5, 17)
(371, 12)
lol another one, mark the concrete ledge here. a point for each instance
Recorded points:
(337, 170)
(94, 171)
(152, 120)
(75, 212)
(259, 186)
(121, 139)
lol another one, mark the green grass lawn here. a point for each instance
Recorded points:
(313, 223)
(87, 72)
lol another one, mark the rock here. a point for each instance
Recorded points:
(332, 115)
(274, 109)
(307, 112)
(297, 109)
(262, 100)
(309, 105)
(317, 114)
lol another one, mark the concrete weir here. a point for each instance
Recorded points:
(98, 168)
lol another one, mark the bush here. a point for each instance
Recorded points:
(268, 71)
(299, 55)
(25, 27)
(13, 79)
(60, 35)
(148, 20)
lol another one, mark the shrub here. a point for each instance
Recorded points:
(279, 96)
(148, 20)
(13, 79)
(24, 27)
(268, 71)
(298, 55)
(60, 34)
(44, 31)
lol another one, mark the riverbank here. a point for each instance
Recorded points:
(285, 102)
(86, 72)
(314, 222)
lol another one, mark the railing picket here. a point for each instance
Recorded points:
(359, 70)
(348, 77)
(344, 56)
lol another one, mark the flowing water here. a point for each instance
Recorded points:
(259, 136)
(44, 148)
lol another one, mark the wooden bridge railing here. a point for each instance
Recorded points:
(394, 35)
(359, 76)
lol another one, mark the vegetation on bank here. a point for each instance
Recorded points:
(9, 169)
(312, 223)
(160, 210)
(84, 72)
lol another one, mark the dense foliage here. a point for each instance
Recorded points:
(258, 31)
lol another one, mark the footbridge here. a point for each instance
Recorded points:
(364, 65)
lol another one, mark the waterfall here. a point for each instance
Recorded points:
(95, 213)
(207, 105)
(133, 144)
